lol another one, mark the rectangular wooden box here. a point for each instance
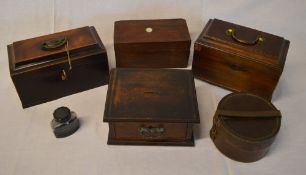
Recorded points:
(40, 67)
(163, 43)
(151, 107)
(239, 58)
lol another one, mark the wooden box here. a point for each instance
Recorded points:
(239, 58)
(161, 43)
(56, 65)
(151, 107)
(245, 126)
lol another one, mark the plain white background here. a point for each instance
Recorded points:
(28, 146)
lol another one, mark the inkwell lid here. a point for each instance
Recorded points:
(62, 114)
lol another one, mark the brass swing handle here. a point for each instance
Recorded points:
(231, 32)
(54, 43)
(57, 43)
(151, 132)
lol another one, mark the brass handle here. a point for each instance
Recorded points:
(54, 43)
(258, 40)
(151, 132)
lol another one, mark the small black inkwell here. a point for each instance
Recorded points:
(65, 122)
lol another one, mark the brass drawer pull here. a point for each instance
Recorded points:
(258, 40)
(57, 43)
(151, 132)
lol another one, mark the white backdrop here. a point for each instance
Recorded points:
(28, 146)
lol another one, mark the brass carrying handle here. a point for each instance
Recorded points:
(54, 43)
(57, 43)
(151, 132)
(231, 32)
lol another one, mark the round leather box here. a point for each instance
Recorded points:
(245, 126)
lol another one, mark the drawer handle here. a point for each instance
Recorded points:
(258, 40)
(235, 67)
(151, 132)
(57, 43)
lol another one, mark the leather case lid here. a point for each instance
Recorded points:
(153, 95)
(80, 41)
(163, 30)
(249, 127)
(271, 51)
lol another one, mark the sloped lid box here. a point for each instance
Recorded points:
(49, 67)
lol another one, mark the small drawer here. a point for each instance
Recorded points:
(149, 131)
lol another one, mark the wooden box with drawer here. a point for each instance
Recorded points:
(151, 107)
(48, 67)
(238, 58)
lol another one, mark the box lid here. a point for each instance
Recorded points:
(80, 42)
(151, 31)
(248, 116)
(151, 95)
(249, 43)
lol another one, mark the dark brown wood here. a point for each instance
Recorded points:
(166, 46)
(36, 72)
(245, 126)
(157, 99)
(175, 131)
(221, 60)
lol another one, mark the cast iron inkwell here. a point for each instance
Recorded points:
(65, 122)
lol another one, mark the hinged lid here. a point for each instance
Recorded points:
(248, 116)
(151, 31)
(79, 42)
(246, 42)
(151, 95)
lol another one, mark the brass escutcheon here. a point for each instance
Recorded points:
(151, 132)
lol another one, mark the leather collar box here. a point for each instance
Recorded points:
(245, 126)
(163, 43)
(239, 58)
(151, 107)
(56, 65)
